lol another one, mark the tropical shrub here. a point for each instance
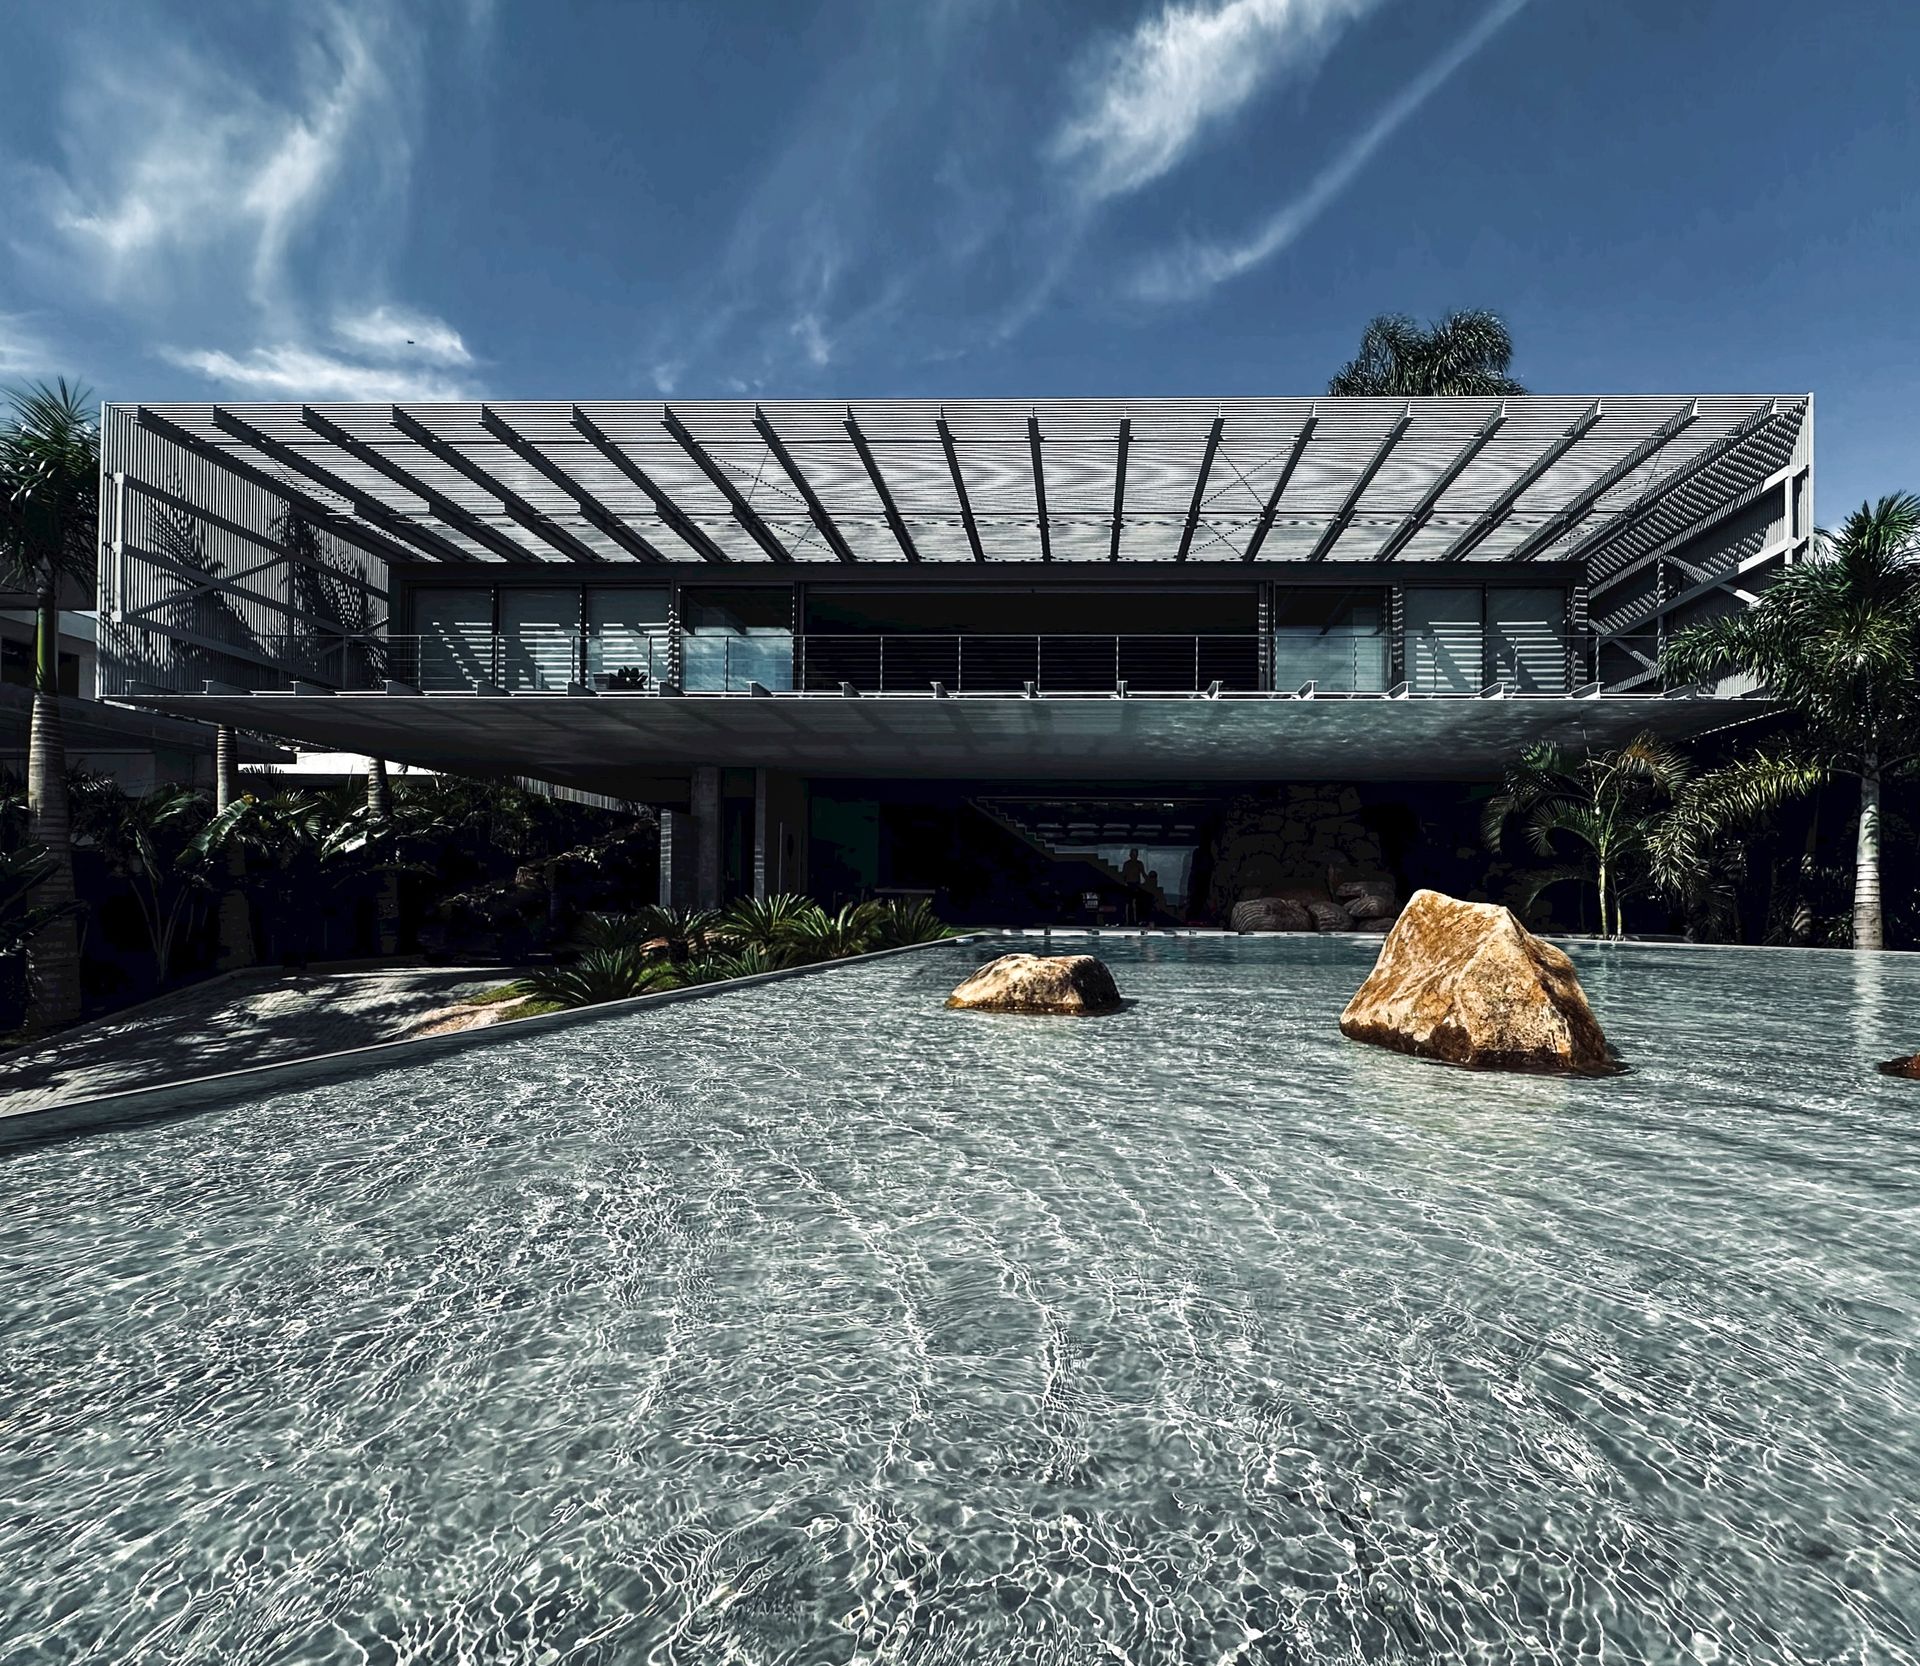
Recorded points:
(599, 975)
(1836, 639)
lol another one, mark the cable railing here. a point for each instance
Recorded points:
(651, 662)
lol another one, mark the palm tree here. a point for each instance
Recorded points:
(49, 526)
(1464, 353)
(1836, 639)
(149, 841)
(1606, 805)
(304, 845)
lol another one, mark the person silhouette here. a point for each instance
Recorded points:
(1133, 875)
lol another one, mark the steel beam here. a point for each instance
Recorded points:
(815, 508)
(1039, 487)
(669, 511)
(1655, 494)
(1200, 486)
(907, 547)
(383, 515)
(443, 507)
(521, 512)
(1568, 517)
(1343, 516)
(1430, 499)
(595, 513)
(960, 488)
(1281, 482)
(1120, 486)
(743, 511)
(1496, 512)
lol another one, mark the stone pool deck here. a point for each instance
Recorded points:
(230, 1023)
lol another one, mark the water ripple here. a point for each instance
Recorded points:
(817, 1324)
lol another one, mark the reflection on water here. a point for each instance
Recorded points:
(817, 1323)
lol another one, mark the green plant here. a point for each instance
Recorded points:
(767, 923)
(1837, 640)
(1595, 811)
(150, 842)
(896, 924)
(814, 934)
(49, 532)
(1464, 353)
(300, 847)
(599, 975)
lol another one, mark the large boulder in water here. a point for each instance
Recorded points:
(1072, 983)
(1466, 982)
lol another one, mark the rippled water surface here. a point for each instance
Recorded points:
(815, 1323)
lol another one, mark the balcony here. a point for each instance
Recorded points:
(1437, 664)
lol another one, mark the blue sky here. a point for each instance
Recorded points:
(363, 199)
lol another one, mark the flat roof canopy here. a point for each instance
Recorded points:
(619, 744)
(1536, 477)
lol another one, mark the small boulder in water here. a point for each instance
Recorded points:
(1073, 984)
(1909, 1067)
(1467, 983)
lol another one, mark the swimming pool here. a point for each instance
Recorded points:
(813, 1322)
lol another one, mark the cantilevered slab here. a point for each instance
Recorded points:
(593, 744)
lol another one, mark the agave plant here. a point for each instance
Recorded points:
(675, 934)
(896, 924)
(814, 934)
(754, 923)
(748, 962)
(599, 975)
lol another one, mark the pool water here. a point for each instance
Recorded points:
(813, 1322)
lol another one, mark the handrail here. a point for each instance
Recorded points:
(658, 661)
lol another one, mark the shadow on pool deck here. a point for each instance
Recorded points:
(231, 1024)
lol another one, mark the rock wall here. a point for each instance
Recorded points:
(1289, 839)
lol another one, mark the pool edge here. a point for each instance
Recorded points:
(160, 1100)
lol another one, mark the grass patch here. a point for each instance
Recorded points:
(492, 997)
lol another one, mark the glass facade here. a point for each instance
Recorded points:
(1455, 639)
(733, 638)
(1336, 639)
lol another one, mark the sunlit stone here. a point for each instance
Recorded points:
(1074, 983)
(1467, 983)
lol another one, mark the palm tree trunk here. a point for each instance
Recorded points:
(1867, 926)
(235, 918)
(54, 954)
(1602, 886)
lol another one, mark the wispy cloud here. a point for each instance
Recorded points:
(1184, 70)
(404, 334)
(294, 372)
(1195, 267)
(24, 351)
(235, 220)
(202, 168)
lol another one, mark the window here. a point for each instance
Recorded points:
(1527, 632)
(539, 638)
(730, 638)
(627, 639)
(1445, 641)
(453, 640)
(1331, 637)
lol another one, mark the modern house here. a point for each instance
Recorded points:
(850, 648)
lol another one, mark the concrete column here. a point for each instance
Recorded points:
(763, 856)
(706, 836)
(676, 859)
